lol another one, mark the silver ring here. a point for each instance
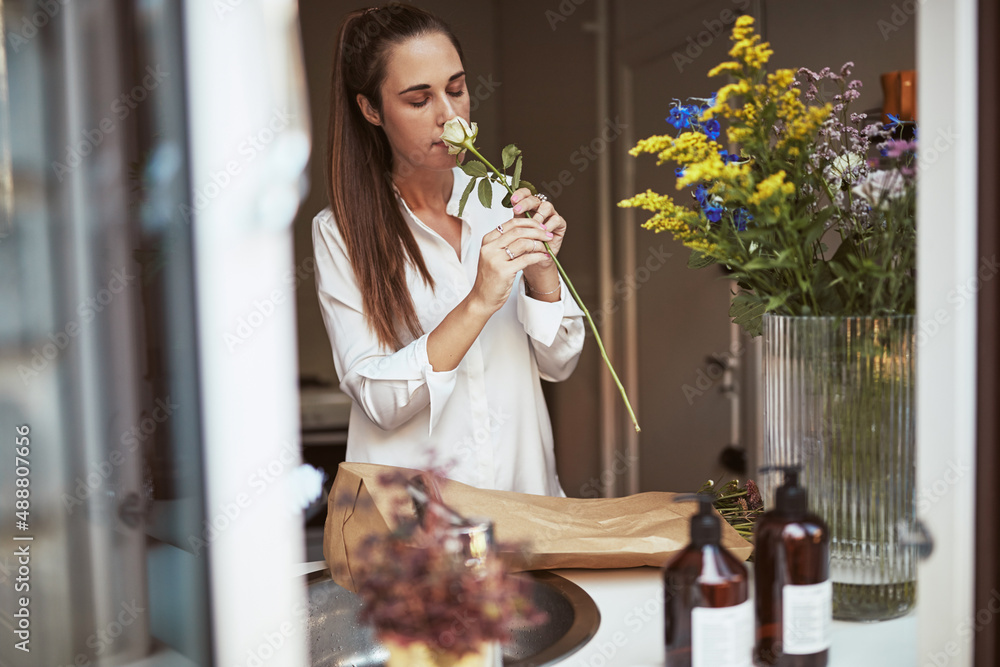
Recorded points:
(534, 244)
(509, 253)
(500, 228)
(541, 197)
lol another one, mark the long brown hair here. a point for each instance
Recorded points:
(379, 241)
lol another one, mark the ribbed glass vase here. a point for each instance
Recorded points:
(839, 402)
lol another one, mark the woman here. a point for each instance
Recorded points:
(441, 326)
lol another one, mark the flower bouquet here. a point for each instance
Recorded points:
(800, 208)
(811, 210)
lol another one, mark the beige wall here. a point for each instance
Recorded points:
(540, 58)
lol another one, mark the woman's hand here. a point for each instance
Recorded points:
(542, 277)
(516, 245)
(543, 213)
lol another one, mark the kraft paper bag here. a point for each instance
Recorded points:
(552, 533)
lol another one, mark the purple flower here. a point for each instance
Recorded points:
(896, 148)
(741, 218)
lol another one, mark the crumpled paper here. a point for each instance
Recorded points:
(644, 529)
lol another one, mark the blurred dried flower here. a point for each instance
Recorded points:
(416, 589)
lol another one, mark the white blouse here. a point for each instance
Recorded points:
(485, 421)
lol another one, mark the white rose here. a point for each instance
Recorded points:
(459, 135)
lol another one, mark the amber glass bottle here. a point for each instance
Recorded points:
(794, 596)
(707, 612)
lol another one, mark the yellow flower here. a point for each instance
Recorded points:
(680, 221)
(773, 187)
(743, 27)
(721, 68)
(654, 144)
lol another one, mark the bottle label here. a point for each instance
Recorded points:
(722, 636)
(806, 618)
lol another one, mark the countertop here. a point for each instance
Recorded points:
(631, 631)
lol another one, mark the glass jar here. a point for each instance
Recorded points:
(839, 402)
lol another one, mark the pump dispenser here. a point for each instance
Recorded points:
(708, 617)
(794, 595)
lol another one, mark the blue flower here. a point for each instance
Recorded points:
(713, 212)
(701, 194)
(679, 172)
(741, 218)
(680, 116)
(893, 121)
(711, 129)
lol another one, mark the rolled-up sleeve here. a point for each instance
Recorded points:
(390, 387)
(555, 329)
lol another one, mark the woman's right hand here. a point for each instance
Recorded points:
(524, 238)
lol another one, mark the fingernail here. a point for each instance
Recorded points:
(542, 226)
(550, 234)
(515, 198)
(517, 209)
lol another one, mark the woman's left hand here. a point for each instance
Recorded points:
(545, 214)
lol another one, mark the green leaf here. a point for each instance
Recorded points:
(486, 193)
(506, 201)
(517, 173)
(775, 302)
(527, 184)
(465, 196)
(474, 168)
(510, 152)
(747, 310)
(697, 260)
